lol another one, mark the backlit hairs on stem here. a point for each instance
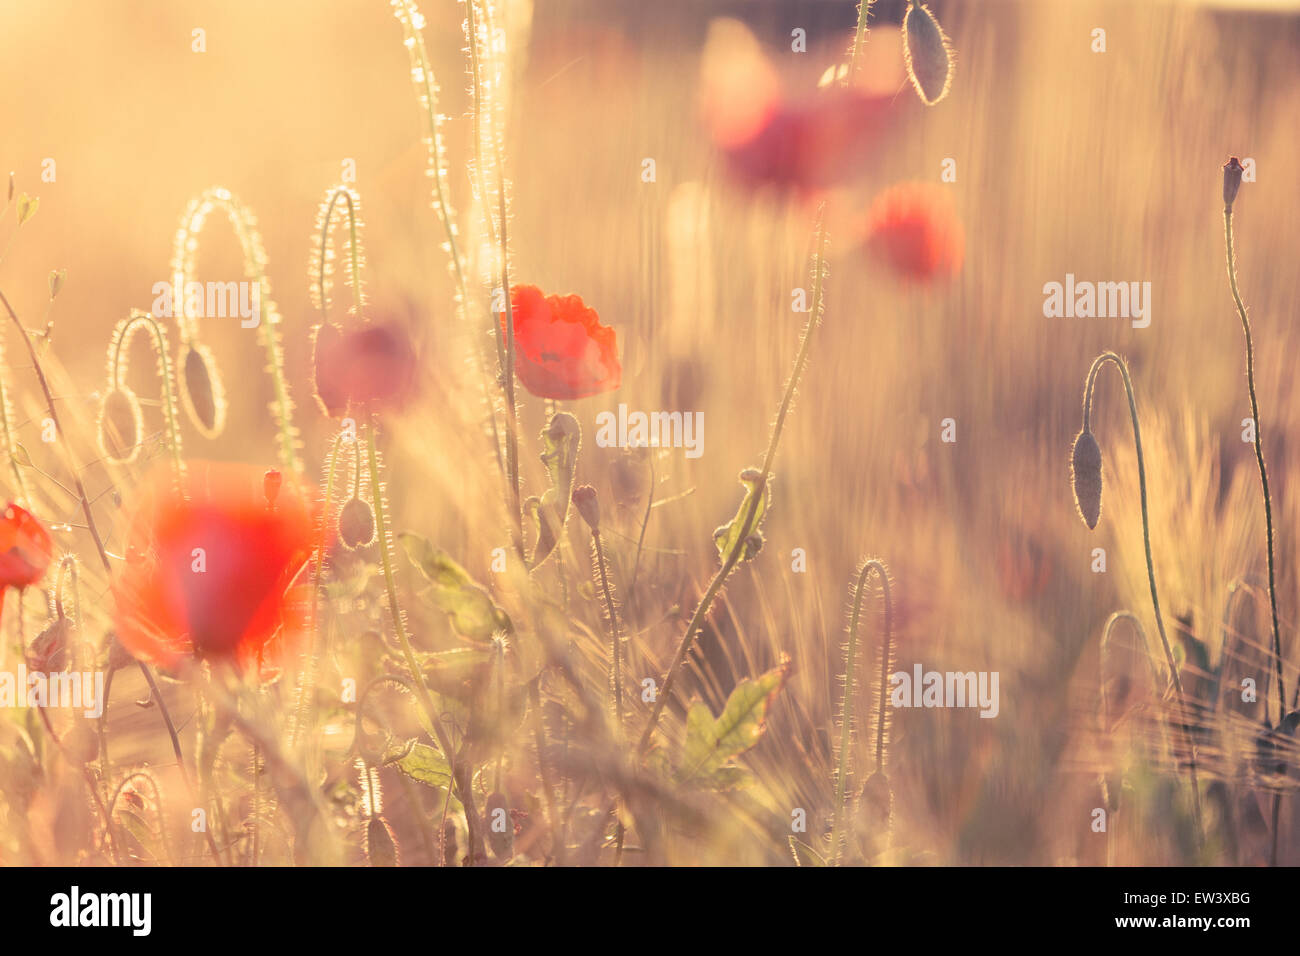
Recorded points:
(120, 400)
(184, 255)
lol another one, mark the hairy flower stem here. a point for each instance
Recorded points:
(846, 708)
(1118, 362)
(757, 495)
(307, 687)
(99, 547)
(1259, 459)
(462, 776)
(859, 37)
(164, 372)
(615, 665)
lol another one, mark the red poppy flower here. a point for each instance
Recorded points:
(25, 550)
(561, 349)
(914, 227)
(209, 569)
(371, 365)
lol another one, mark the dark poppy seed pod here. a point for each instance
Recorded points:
(1232, 171)
(1086, 466)
(927, 54)
(120, 426)
(203, 396)
(501, 829)
(584, 499)
(356, 524)
(381, 848)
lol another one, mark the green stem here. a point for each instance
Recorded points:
(1259, 459)
(747, 522)
(846, 708)
(615, 666)
(460, 778)
(859, 37)
(1118, 362)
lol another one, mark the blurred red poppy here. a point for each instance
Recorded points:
(25, 550)
(372, 365)
(914, 227)
(210, 566)
(815, 143)
(561, 349)
(805, 141)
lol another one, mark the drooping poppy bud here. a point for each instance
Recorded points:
(927, 54)
(120, 426)
(381, 847)
(356, 524)
(202, 393)
(584, 499)
(1085, 465)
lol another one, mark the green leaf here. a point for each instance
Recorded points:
(560, 440)
(727, 537)
(423, 763)
(420, 762)
(470, 607)
(712, 743)
(27, 206)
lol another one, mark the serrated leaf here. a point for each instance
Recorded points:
(420, 762)
(560, 440)
(470, 607)
(727, 537)
(711, 743)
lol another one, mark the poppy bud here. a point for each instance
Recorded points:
(271, 483)
(381, 848)
(49, 650)
(203, 396)
(501, 829)
(120, 425)
(356, 524)
(925, 50)
(1232, 171)
(584, 499)
(1086, 467)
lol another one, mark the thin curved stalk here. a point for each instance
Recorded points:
(1259, 459)
(747, 523)
(121, 340)
(1112, 358)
